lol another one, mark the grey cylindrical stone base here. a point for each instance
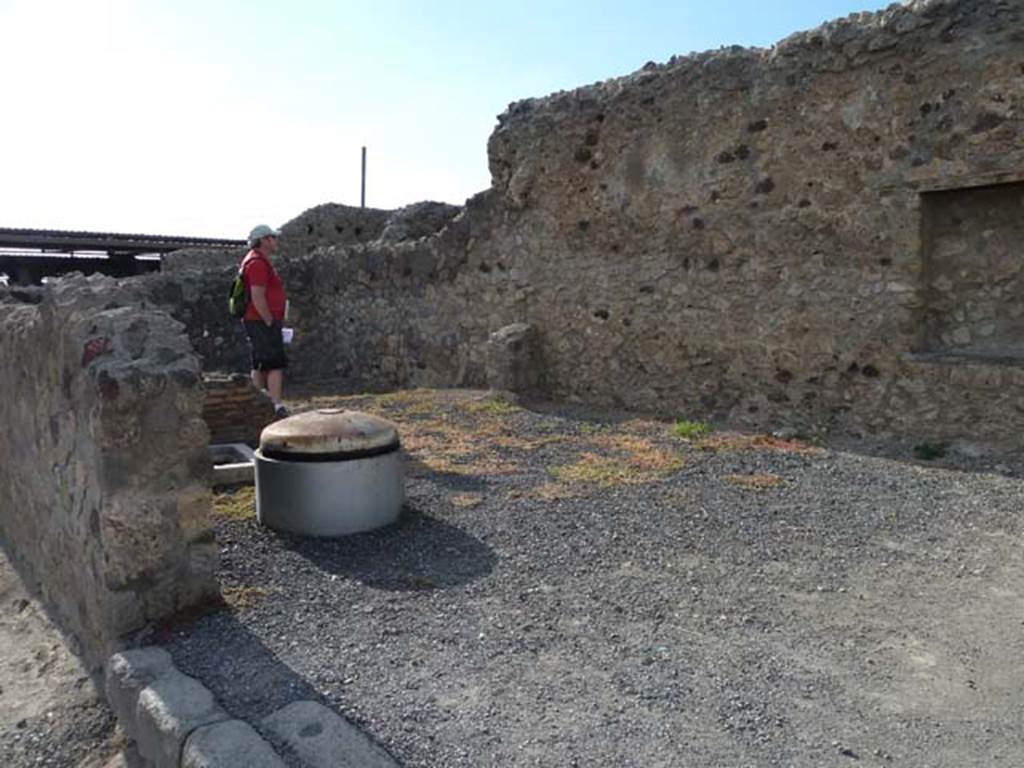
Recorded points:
(329, 498)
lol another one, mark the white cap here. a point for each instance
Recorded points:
(259, 232)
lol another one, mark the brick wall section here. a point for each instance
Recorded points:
(104, 472)
(234, 410)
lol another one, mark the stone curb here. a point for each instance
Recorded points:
(322, 739)
(176, 722)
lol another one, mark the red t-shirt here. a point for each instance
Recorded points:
(258, 271)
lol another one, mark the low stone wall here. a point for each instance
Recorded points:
(104, 472)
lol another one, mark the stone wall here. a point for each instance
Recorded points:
(389, 314)
(740, 232)
(198, 299)
(319, 254)
(824, 235)
(104, 472)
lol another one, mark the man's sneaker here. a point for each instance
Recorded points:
(280, 411)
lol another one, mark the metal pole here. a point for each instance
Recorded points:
(362, 192)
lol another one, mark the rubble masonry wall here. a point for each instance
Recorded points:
(825, 234)
(104, 472)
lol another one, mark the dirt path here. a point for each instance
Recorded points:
(50, 712)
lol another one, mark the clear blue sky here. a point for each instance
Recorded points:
(204, 117)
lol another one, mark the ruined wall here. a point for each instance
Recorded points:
(799, 235)
(104, 472)
(350, 287)
(198, 298)
(747, 233)
(390, 313)
(825, 234)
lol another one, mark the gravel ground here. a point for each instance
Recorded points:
(565, 589)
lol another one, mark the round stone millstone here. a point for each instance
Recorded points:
(329, 472)
(329, 433)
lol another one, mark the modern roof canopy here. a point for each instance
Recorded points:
(111, 243)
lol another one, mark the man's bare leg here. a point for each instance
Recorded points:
(275, 385)
(259, 378)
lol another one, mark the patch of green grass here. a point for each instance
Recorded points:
(592, 468)
(493, 407)
(688, 430)
(550, 425)
(409, 402)
(929, 451)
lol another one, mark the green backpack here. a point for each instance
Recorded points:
(238, 299)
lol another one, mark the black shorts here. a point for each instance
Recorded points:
(266, 345)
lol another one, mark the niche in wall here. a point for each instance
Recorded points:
(973, 272)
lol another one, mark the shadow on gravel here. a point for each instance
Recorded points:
(955, 456)
(453, 481)
(418, 552)
(251, 681)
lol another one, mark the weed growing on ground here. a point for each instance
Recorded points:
(550, 425)
(629, 460)
(236, 504)
(734, 441)
(689, 430)
(755, 482)
(242, 598)
(409, 402)
(593, 469)
(492, 407)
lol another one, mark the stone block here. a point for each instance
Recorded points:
(323, 739)
(511, 363)
(203, 559)
(138, 538)
(126, 758)
(128, 672)
(230, 744)
(168, 710)
(195, 505)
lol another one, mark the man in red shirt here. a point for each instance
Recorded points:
(264, 316)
